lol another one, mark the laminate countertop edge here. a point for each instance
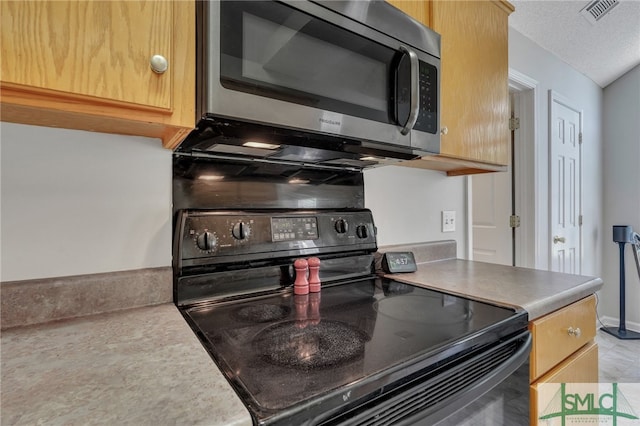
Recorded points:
(536, 291)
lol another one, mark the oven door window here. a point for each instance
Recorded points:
(271, 49)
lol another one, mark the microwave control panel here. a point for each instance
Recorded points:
(428, 115)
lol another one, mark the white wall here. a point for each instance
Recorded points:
(621, 190)
(407, 205)
(528, 58)
(77, 202)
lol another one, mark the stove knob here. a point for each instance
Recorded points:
(341, 226)
(362, 231)
(241, 231)
(207, 241)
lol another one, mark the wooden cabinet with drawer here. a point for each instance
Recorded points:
(561, 333)
(563, 349)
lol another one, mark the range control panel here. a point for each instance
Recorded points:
(215, 236)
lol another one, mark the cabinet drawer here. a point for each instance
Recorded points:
(581, 367)
(561, 333)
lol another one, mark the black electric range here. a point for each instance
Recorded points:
(363, 350)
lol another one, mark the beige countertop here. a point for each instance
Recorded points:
(538, 292)
(141, 366)
(145, 366)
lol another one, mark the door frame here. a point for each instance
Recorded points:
(527, 195)
(555, 97)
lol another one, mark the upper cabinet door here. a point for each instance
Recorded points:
(474, 83)
(475, 75)
(417, 9)
(93, 48)
(87, 65)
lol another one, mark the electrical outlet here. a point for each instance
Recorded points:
(448, 221)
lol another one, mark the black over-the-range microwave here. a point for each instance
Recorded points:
(360, 72)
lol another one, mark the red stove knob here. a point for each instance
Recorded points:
(301, 285)
(314, 274)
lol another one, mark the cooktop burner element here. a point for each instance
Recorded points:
(434, 310)
(262, 313)
(313, 346)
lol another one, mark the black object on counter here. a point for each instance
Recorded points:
(398, 261)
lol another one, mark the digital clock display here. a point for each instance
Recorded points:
(294, 228)
(393, 262)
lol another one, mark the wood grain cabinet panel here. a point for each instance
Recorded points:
(475, 79)
(474, 83)
(557, 335)
(581, 367)
(85, 65)
(563, 350)
(417, 9)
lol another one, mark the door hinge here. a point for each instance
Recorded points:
(580, 138)
(514, 221)
(580, 220)
(514, 123)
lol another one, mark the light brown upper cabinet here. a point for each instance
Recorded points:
(88, 65)
(418, 9)
(474, 83)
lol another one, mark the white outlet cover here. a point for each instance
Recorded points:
(448, 221)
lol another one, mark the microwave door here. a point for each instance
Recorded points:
(298, 65)
(277, 51)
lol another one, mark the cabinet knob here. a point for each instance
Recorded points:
(576, 332)
(444, 130)
(159, 64)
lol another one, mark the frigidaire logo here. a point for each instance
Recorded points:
(582, 407)
(332, 122)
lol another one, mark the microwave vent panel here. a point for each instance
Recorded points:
(596, 10)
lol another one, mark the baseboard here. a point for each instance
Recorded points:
(614, 322)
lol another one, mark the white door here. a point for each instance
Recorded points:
(565, 203)
(491, 209)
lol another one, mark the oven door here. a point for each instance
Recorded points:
(489, 387)
(301, 65)
(506, 404)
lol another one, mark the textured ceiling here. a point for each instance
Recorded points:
(602, 52)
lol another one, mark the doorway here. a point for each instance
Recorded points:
(496, 197)
(565, 184)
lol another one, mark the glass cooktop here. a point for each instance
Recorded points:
(281, 350)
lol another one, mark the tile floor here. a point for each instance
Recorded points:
(619, 359)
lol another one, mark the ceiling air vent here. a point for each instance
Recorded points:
(596, 10)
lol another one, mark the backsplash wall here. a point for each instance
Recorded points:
(75, 202)
(407, 205)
